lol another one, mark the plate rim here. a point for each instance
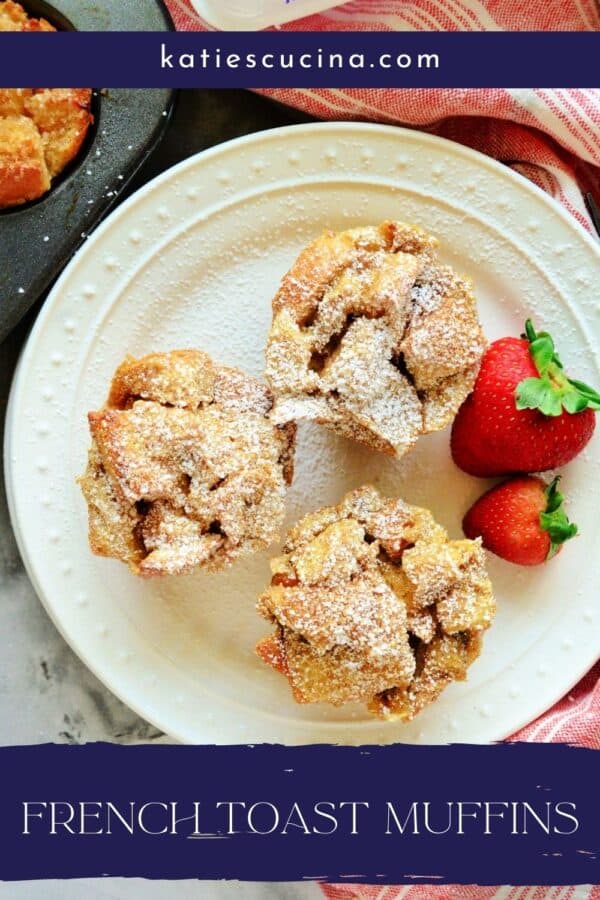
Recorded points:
(120, 211)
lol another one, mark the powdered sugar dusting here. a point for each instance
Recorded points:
(367, 328)
(186, 469)
(372, 602)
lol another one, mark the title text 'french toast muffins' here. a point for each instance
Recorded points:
(41, 130)
(373, 337)
(185, 469)
(373, 603)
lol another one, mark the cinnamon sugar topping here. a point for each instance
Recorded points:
(372, 602)
(185, 468)
(373, 337)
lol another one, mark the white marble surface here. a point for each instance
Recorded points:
(46, 693)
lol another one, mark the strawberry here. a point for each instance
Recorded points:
(521, 520)
(524, 414)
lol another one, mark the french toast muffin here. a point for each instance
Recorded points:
(186, 469)
(41, 129)
(373, 337)
(372, 602)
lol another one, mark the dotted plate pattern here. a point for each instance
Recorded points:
(193, 259)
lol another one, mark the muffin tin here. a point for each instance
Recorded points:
(38, 238)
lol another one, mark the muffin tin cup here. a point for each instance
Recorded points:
(37, 239)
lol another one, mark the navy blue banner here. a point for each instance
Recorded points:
(507, 814)
(300, 59)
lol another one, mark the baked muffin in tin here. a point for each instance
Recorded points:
(41, 129)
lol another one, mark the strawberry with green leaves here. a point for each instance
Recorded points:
(524, 414)
(521, 520)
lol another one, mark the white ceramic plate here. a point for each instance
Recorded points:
(193, 260)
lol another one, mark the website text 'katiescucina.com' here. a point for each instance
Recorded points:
(217, 59)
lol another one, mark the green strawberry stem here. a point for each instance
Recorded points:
(554, 519)
(552, 392)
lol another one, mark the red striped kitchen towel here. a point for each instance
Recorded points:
(551, 137)
(459, 892)
(433, 15)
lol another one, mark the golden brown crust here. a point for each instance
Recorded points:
(62, 117)
(41, 130)
(23, 172)
(186, 469)
(372, 602)
(13, 17)
(12, 101)
(373, 337)
(112, 521)
(445, 659)
(181, 378)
